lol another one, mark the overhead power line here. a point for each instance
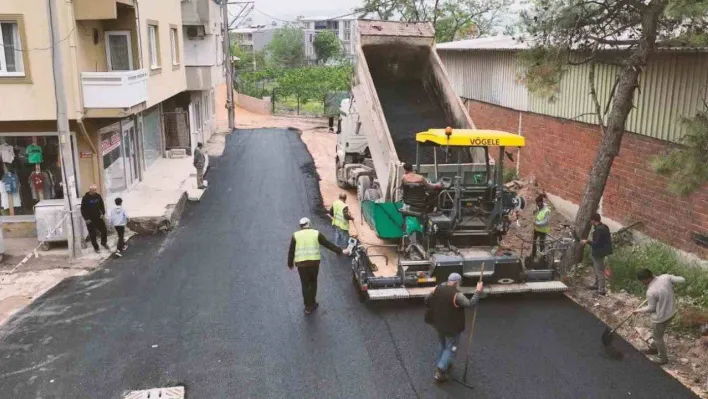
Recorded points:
(51, 46)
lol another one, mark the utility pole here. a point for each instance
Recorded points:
(229, 65)
(65, 151)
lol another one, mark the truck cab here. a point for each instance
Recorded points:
(353, 159)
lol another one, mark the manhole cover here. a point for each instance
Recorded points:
(157, 393)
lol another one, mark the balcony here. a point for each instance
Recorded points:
(117, 89)
(99, 9)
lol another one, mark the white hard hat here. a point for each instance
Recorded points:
(304, 222)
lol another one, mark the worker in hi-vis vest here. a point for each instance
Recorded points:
(304, 254)
(339, 213)
(541, 225)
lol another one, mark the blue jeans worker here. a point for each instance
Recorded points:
(339, 213)
(446, 312)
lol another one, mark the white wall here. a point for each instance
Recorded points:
(204, 52)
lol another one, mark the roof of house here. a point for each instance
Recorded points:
(510, 43)
(501, 42)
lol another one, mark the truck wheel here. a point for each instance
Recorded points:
(371, 194)
(362, 184)
(340, 183)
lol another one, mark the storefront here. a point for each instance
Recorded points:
(31, 172)
(152, 134)
(119, 150)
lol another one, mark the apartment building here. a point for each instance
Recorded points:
(254, 38)
(128, 93)
(343, 27)
(204, 64)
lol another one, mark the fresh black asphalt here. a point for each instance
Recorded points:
(213, 306)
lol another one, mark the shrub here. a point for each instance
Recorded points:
(509, 174)
(660, 259)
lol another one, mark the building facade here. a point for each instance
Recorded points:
(204, 65)
(124, 70)
(253, 38)
(343, 27)
(562, 135)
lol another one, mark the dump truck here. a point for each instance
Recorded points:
(404, 110)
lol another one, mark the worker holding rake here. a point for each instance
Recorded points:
(662, 308)
(446, 312)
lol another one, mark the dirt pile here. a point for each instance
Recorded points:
(520, 236)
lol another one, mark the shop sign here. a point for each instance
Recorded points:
(86, 154)
(110, 144)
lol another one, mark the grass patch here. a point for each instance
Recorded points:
(289, 105)
(660, 259)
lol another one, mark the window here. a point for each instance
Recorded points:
(174, 44)
(213, 102)
(347, 34)
(154, 46)
(119, 52)
(11, 54)
(198, 115)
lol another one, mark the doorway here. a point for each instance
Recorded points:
(119, 52)
(129, 152)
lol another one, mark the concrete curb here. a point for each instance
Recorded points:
(159, 224)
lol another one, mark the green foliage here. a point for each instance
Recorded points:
(660, 259)
(247, 58)
(312, 83)
(326, 46)
(687, 166)
(287, 48)
(452, 19)
(543, 70)
(509, 174)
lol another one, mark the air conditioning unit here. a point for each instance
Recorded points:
(196, 32)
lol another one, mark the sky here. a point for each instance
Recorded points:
(289, 9)
(266, 11)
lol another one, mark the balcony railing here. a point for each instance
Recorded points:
(117, 89)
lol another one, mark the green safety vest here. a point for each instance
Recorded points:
(539, 218)
(307, 245)
(338, 220)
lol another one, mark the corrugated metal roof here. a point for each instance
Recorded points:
(671, 87)
(500, 43)
(510, 43)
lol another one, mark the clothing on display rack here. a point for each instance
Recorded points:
(7, 153)
(36, 182)
(9, 181)
(48, 184)
(16, 201)
(34, 154)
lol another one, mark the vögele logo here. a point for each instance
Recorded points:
(485, 142)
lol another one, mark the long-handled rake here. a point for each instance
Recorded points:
(469, 340)
(608, 335)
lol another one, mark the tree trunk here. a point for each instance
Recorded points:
(612, 139)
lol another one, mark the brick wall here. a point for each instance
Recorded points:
(559, 153)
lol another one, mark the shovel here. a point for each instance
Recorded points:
(609, 333)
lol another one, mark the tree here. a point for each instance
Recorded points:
(326, 46)
(687, 165)
(625, 33)
(248, 61)
(310, 83)
(450, 18)
(287, 48)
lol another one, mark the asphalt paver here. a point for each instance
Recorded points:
(212, 306)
